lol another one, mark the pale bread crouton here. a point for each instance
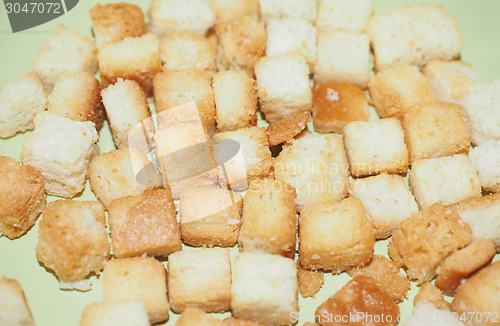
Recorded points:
(432, 316)
(285, 129)
(310, 282)
(305, 9)
(485, 158)
(125, 313)
(428, 293)
(231, 321)
(184, 50)
(233, 9)
(347, 15)
(194, 316)
(14, 309)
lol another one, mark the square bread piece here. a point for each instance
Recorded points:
(144, 224)
(200, 278)
(435, 129)
(20, 100)
(140, 278)
(231, 321)
(347, 15)
(316, 166)
(305, 9)
(387, 200)
(485, 159)
(283, 86)
(194, 316)
(184, 50)
(134, 58)
(264, 288)
(113, 22)
(61, 150)
(233, 9)
(64, 50)
(125, 313)
(445, 180)
(210, 217)
(394, 91)
(414, 35)
(375, 147)
(77, 96)
(335, 237)
(337, 104)
(73, 241)
(343, 57)
(14, 309)
(269, 222)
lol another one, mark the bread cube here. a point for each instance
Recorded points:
(305, 9)
(431, 180)
(168, 16)
(113, 22)
(347, 15)
(432, 316)
(140, 278)
(184, 50)
(242, 42)
(394, 91)
(310, 282)
(231, 321)
(64, 50)
(428, 293)
(194, 316)
(343, 57)
(77, 96)
(125, 313)
(375, 147)
(73, 241)
(264, 288)
(14, 309)
(269, 222)
(485, 158)
(426, 238)
(210, 217)
(20, 100)
(283, 86)
(233, 9)
(414, 35)
(284, 130)
(235, 100)
(61, 150)
(134, 58)
(22, 197)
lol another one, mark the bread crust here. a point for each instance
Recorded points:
(284, 130)
(310, 282)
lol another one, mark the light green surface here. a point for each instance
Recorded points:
(479, 25)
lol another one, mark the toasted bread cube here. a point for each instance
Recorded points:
(194, 316)
(125, 313)
(113, 22)
(375, 147)
(387, 200)
(426, 238)
(73, 241)
(22, 197)
(264, 288)
(485, 158)
(431, 180)
(134, 58)
(316, 166)
(14, 309)
(242, 42)
(20, 100)
(269, 222)
(435, 129)
(61, 150)
(305, 9)
(184, 50)
(233, 9)
(394, 91)
(347, 15)
(432, 316)
(286, 129)
(77, 96)
(337, 104)
(414, 35)
(350, 241)
(64, 50)
(139, 278)
(201, 279)
(231, 321)
(343, 57)
(310, 282)
(210, 217)
(360, 297)
(428, 293)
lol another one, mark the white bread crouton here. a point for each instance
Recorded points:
(233, 9)
(485, 158)
(14, 309)
(20, 100)
(347, 15)
(125, 313)
(184, 50)
(231, 321)
(286, 129)
(414, 35)
(194, 316)
(305, 9)
(432, 316)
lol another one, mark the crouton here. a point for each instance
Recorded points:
(375, 147)
(428, 293)
(432, 316)
(310, 282)
(264, 288)
(414, 35)
(343, 57)
(113, 22)
(431, 180)
(346, 15)
(20, 100)
(234, 9)
(335, 237)
(337, 104)
(64, 50)
(73, 241)
(125, 313)
(140, 278)
(22, 197)
(184, 50)
(194, 316)
(14, 309)
(428, 237)
(394, 91)
(485, 158)
(305, 9)
(61, 150)
(231, 321)
(286, 129)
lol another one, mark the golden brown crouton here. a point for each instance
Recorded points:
(428, 293)
(194, 316)
(286, 129)
(231, 321)
(232, 9)
(310, 282)
(14, 309)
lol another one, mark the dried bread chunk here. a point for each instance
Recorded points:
(14, 309)
(347, 15)
(305, 9)
(194, 316)
(231, 321)
(432, 316)
(184, 50)
(310, 282)
(233, 9)
(428, 293)
(284, 130)
(125, 313)
(485, 158)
